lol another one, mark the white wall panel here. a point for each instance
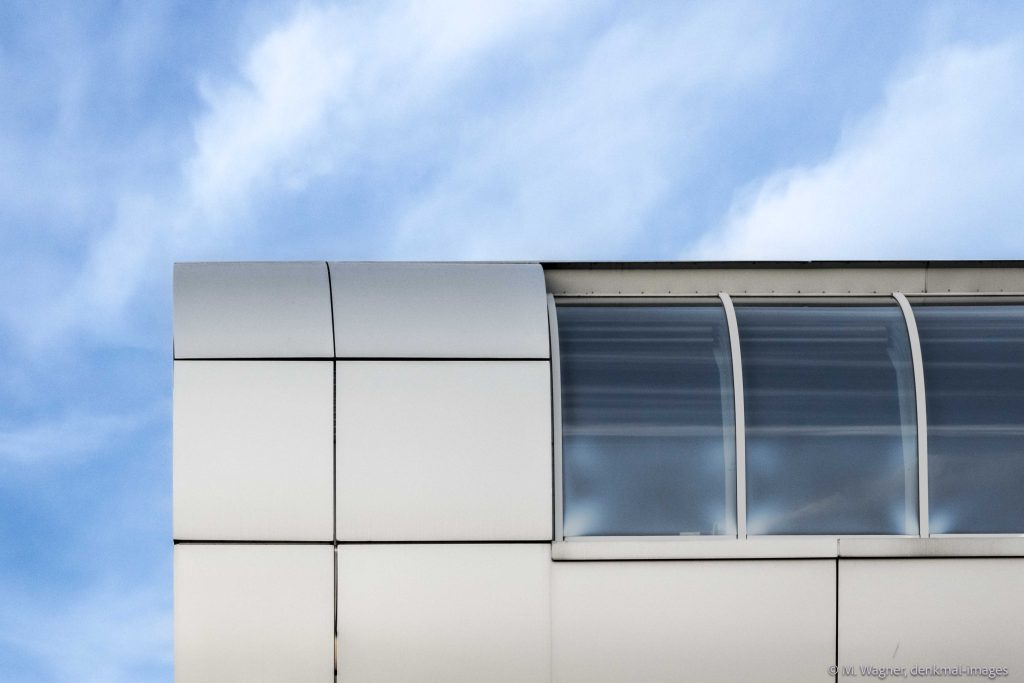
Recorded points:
(444, 450)
(945, 612)
(949, 546)
(665, 622)
(253, 450)
(443, 613)
(252, 310)
(245, 613)
(440, 310)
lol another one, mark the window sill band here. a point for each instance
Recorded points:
(787, 547)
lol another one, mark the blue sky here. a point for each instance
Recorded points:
(136, 134)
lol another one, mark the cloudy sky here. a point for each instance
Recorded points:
(136, 134)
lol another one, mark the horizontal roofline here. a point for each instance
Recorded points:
(796, 265)
(690, 265)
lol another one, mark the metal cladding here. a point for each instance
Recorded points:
(439, 310)
(394, 472)
(468, 441)
(253, 445)
(252, 310)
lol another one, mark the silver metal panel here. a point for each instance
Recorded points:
(664, 622)
(667, 548)
(638, 548)
(456, 613)
(556, 415)
(439, 310)
(247, 613)
(959, 546)
(922, 413)
(954, 612)
(444, 450)
(740, 415)
(253, 450)
(967, 280)
(737, 281)
(252, 310)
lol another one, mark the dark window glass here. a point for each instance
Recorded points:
(974, 387)
(647, 421)
(830, 420)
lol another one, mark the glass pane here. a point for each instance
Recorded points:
(831, 420)
(974, 388)
(648, 442)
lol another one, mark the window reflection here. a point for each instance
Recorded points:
(647, 421)
(830, 420)
(974, 387)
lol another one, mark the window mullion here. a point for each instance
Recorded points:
(922, 417)
(738, 412)
(556, 415)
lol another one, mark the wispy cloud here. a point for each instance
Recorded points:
(538, 130)
(597, 145)
(331, 82)
(71, 436)
(141, 133)
(932, 172)
(527, 129)
(322, 87)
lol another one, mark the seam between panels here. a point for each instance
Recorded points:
(261, 359)
(356, 359)
(221, 541)
(334, 506)
(334, 467)
(468, 541)
(334, 415)
(335, 614)
(330, 297)
(442, 359)
(334, 451)
(551, 620)
(837, 620)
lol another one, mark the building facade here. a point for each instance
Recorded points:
(578, 472)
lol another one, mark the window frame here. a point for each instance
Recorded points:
(853, 301)
(955, 299)
(556, 408)
(743, 545)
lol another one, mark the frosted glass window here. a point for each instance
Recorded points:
(974, 388)
(830, 418)
(648, 443)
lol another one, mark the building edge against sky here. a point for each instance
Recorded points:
(596, 471)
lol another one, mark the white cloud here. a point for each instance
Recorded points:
(289, 82)
(934, 172)
(331, 83)
(312, 90)
(513, 129)
(580, 166)
(540, 130)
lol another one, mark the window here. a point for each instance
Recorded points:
(973, 359)
(647, 420)
(831, 443)
(830, 418)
